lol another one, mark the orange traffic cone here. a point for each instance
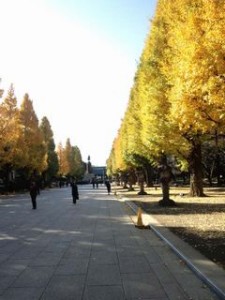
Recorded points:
(139, 220)
(139, 217)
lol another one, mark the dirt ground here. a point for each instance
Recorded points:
(200, 222)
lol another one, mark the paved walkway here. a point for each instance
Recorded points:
(88, 251)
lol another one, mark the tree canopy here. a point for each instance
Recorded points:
(177, 97)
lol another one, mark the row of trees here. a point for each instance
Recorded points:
(176, 104)
(27, 146)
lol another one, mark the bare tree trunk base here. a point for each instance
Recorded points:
(142, 193)
(167, 203)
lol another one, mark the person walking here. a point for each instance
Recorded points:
(93, 183)
(108, 186)
(33, 193)
(74, 190)
(96, 183)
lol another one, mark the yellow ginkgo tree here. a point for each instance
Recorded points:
(34, 152)
(177, 99)
(196, 73)
(11, 141)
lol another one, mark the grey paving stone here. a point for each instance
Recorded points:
(65, 288)
(3, 242)
(173, 291)
(103, 257)
(34, 277)
(126, 240)
(27, 252)
(110, 247)
(129, 251)
(103, 275)
(104, 293)
(84, 238)
(142, 286)
(44, 261)
(154, 298)
(4, 257)
(11, 246)
(163, 273)
(135, 264)
(22, 294)
(72, 266)
(6, 281)
(77, 252)
(13, 267)
(57, 248)
(152, 256)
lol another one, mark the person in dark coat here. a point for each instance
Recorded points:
(93, 183)
(74, 190)
(108, 186)
(33, 193)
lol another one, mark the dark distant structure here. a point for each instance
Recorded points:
(99, 171)
(93, 172)
(89, 166)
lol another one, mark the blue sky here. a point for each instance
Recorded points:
(124, 22)
(77, 60)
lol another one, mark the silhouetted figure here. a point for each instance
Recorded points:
(33, 193)
(89, 166)
(96, 183)
(74, 190)
(108, 186)
(93, 183)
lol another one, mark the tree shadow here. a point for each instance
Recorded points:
(153, 207)
(210, 243)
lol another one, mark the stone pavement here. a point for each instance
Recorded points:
(87, 251)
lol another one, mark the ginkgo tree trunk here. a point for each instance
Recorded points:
(166, 176)
(195, 167)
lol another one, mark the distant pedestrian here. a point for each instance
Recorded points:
(108, 186)
(96, 182)
(74, 190)
(33, 193)
(93, 183)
